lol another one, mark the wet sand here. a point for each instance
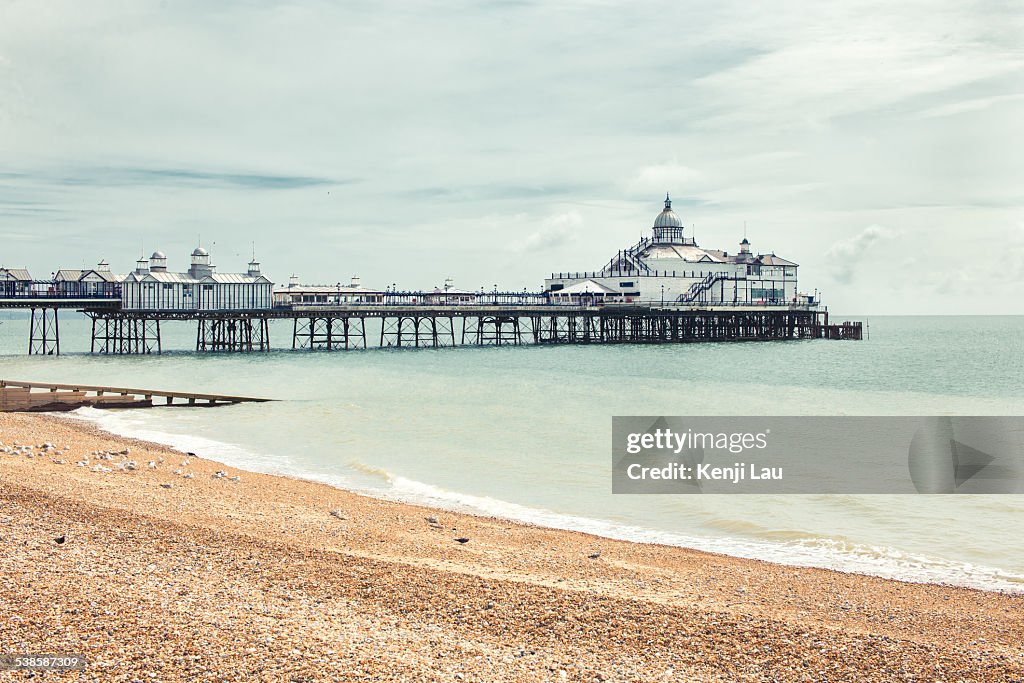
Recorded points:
(173, 573)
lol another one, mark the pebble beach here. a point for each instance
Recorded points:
(156, 565)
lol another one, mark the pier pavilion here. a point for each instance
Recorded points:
(152, 287)
(670, 267)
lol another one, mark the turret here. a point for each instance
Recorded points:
(158, 262)
(200, 264)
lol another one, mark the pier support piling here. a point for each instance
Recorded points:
(119, 334)
(329, 333)
(230, 333)
(44, 332)
(430, 331)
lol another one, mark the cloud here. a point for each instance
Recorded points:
(827, 62)
(667, 177)
(554, 231)
(261, 120)
(122, 176)
(969, 105)
(844, 257)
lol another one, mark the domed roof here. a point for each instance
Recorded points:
(158, 254)
(199, 251)
(668, 218)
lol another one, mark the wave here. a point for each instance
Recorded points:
(826, 553)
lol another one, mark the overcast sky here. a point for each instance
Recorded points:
(879, 145)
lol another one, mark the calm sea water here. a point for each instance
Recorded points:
(525, 432)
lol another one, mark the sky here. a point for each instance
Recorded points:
(879, 145)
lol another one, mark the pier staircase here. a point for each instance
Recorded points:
(627, 259)
(698, 290)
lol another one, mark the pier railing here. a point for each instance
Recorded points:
(49, 289)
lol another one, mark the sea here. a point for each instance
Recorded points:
(524, 433)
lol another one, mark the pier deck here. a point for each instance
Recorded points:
(407, 320)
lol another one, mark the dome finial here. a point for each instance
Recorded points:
(668, 201)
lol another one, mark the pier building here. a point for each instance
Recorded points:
(671, 268)
(296, 294)
(88, 282)
(152, 287)
(15, 281)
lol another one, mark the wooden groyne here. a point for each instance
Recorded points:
(45, 396)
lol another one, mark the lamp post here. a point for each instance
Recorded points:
(663, 295)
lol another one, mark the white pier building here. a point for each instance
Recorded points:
(671, 268)
(152, 287)
(85, 282)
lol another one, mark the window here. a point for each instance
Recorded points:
(767, 293)
(624, 285)
(166, 286)
(555, 288)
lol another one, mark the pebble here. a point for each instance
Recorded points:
(451, 634)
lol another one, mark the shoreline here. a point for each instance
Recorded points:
(984, 578)
(362, 586)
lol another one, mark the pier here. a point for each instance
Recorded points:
(43, 396)
(664, 289)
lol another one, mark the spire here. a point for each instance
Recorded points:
(668, 201)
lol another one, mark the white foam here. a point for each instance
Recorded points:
(825, 553)
(879, 561)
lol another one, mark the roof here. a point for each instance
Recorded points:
(668, 218)
(186, 279)
(14, 274)
(76, 275)
(326, 289)
(162, 276)
(684, 252)
(234, 278)
(199, 251)
(773, 260)
(452, 290)
(585, 287)
(158, 254)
